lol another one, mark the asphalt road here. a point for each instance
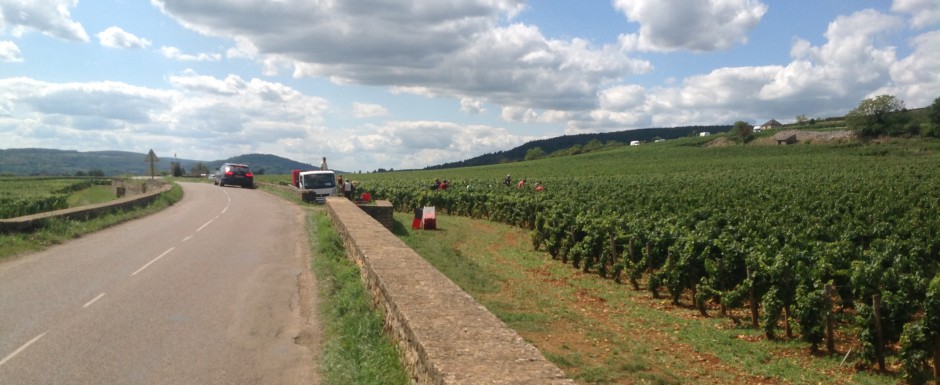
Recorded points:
(212, 290)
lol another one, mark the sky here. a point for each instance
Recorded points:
(399, 84)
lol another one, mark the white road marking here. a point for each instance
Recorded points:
(93, 300)
(204, 226)
(21, 349)
(187, 238)
(151, 262)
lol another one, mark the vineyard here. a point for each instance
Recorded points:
(25, 196)
(805, 241)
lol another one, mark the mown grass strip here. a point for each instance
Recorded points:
(355, 350)
(91, 195)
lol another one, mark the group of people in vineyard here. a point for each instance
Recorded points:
(521, 184)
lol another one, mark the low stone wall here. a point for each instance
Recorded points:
(382, 212)
(31, 222)
(443, 334)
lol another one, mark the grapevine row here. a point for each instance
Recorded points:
(778, 249)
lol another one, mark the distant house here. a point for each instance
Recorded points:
(634, 142)
(757, 128)
(772, 123)
(706, 133)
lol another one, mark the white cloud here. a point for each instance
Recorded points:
(821, 81)
(924, 13)
(472, 106)
(670, 25)
(49, 17)
(175, 54)
(366, 110)
(519, 114)
(916, 78)
(446, 48)
(848, 64)
(115, 37)
(10, 52)
(204, 117)
(418, 144)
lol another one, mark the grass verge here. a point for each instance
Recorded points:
(355, 350)
(58, 231)
(91, 195)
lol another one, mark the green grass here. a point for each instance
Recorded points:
(92, 195)
(355, 350)
(58, 231)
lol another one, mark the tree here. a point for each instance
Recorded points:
(743, 131)
(934, 113)
(802, 119)
(534, 153)
(176, 170)
(871, 117)
(593, 145)
(199, 169)
(932, 128)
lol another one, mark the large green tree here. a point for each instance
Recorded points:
(873, 115)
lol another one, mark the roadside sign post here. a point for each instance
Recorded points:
(152, 158)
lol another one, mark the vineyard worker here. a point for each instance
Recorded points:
(348, 189)
(507, 181)
(521, 183)
(323, 165)
(538, 186)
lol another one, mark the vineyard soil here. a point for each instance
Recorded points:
(599, 331)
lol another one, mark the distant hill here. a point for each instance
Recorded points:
(565, 142)
(41, 161)
(265, 163)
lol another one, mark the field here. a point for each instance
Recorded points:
(25, 196)
(798, 243)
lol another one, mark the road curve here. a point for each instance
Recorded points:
(212, 290)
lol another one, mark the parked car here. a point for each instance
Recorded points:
(234, 174)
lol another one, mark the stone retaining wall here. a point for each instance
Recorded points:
(30, 222)
(443, 334)
(382, 212)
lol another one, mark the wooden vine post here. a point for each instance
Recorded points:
(753, 299)
(636, 285)
(649, 268)
(879, 337)
(936, 360)
(830, 340)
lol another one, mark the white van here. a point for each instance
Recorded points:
(317, 185)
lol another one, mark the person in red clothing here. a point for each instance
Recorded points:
(538, 186)
(521, 183)
(416, 223)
